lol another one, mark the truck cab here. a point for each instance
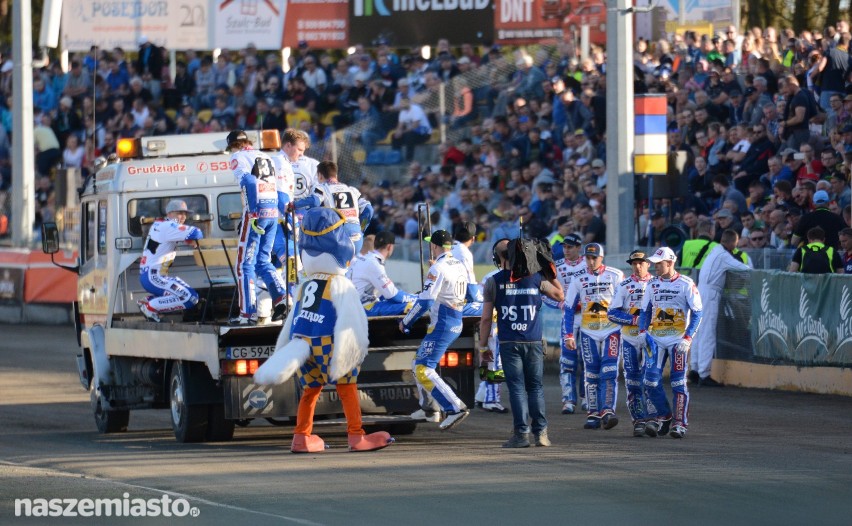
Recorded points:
(193, 363)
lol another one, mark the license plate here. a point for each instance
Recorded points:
(234, 353)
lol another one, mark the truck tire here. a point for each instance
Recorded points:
(108, 421)
(189, 422)
(219, 429)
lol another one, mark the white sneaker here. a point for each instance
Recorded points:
(568, 408)
(454, 419)
(420, 414)
(149, 313)
(495, 407)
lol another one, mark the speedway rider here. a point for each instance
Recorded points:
(624, 310)
(464, 238)
(671, 312)
(379, 294)
(443, 296)
(600, 338)
(171, 294)
(264, 201)
(331, 193)
(566, 256)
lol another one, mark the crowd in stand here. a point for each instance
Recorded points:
(759, 126)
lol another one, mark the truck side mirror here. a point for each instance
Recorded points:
(49, 238)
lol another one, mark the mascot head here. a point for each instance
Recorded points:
(324, 243)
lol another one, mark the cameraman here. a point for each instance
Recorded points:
(518, 305)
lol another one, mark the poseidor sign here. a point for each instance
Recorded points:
(156, 169)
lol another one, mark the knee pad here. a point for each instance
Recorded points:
(652, 378)
(609, 371)
(423, 374)
(568, 360)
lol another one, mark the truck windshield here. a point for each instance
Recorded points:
(141, 211)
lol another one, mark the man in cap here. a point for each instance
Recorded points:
(592, 291)
(264, 201)
(170, 293)
(624, 310)
(568, 265)
(719, 260)
(443, 296)
(822, 217)
(669, 317)
(379, 294)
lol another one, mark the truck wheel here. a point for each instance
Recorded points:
(219, 429)
(108, 421)
(189, 422)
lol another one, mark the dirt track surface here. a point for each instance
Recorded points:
(751, 457)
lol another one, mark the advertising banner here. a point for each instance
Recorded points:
(237, 23)
(322, 24)
(793, 319)
(180, 24)
(419, 22)
(803, 319)
(528, 21)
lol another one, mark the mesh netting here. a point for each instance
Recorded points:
(486, 82)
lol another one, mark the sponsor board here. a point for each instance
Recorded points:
(323, 24)
(180, 24)
(413, 22)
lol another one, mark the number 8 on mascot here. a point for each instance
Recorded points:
(317, 342)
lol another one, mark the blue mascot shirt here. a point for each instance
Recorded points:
(315, 315)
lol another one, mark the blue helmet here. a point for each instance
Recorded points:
(323, 233)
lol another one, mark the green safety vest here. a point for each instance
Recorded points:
(691, 250)
(739, 254)
(817, 247)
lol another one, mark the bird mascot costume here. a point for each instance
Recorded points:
(324, 338)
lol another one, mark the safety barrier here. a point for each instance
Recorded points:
(33, 290)
(785, 330)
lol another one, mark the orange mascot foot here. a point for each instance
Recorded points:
(371, 442)
(307, 444)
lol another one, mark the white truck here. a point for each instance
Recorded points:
(193, 363)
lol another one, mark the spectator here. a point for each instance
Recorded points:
(592, 227)
(73, 154)
(413, 128)
(840, 190)
(816, 257)
(725, 220)
(722, 186)
(48, 154)
(77, 81)
(846, 246)
(830, 223)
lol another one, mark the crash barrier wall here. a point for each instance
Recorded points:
(34, 290)
(785, 330)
